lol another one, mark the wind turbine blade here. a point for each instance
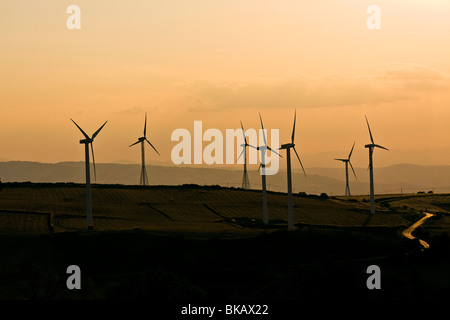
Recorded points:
(152, 146)
(252, 147)
(353, 170)
(259, 166)
(293, 128)
(378, 146)
(93, 161)
(84, 133)
(351, 151)
(274, 151)
(243, 133)
(262, 126)
(370, 132)
(299, 160)
(145, 125)
(134, 143)
(243, 150)
(96, 132)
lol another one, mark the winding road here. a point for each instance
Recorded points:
(407, 232)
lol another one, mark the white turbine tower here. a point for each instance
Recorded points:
(144, 179)
(245, 180)
(89, 141)
(371, 147)
(288, 147)
(347, 162)
(262, 165)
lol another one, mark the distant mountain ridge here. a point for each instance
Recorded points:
(392, 179)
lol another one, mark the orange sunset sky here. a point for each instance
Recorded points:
(221, 62)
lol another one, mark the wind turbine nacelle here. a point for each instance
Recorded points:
(287, 146)
(141, 139)
(369, 145)
(84, 141)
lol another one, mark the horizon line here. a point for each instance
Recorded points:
(217, 166)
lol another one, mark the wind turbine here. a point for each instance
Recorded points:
(89, 141)
(245, 180)
(144, 179)
(288, 147)
(262, 165)
(347, 162)
(371, 147)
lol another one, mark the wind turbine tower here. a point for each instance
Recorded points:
(89, 141)
(347, 162)
(144, 178)
(288, 147)
(263, 150)
(371, 147)
(245, 180)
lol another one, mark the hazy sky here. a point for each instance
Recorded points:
(222, 61)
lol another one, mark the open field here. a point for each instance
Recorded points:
(24, 222)
(208, 243)
(183, 209)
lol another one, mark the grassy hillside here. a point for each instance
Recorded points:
(187, 208)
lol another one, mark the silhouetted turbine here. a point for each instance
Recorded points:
(86, 143)
(347, 162)
(288, 147)
(245, 180)
(371, 147)
(144, 179)
(262, 165)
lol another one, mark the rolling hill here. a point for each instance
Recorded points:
(405, 178)
(187, 208)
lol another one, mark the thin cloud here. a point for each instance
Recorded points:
(399, 82)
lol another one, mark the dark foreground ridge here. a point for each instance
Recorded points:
(277, 266)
